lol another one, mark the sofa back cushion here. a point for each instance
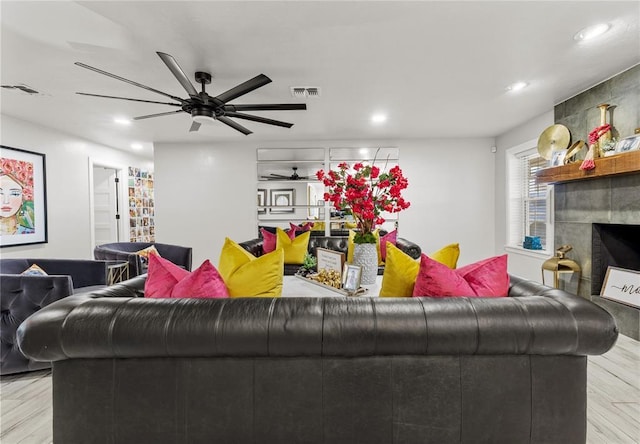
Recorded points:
(13, 266)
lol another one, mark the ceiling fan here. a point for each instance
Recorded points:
(202, 107)
(294, 176)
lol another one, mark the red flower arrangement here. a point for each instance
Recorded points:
(367, 193)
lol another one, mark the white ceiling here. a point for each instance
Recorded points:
(438, 69)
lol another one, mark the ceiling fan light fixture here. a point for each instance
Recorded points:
(202, 115)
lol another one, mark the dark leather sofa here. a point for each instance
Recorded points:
(21, 296)
(126, 251)
(319, 370)
(336, 243)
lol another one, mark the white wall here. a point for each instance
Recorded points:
(204, 192)
(67, 170)
(451, 190)
(524, 265)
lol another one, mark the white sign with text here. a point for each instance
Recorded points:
(622, 285)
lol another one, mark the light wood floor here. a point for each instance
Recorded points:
(613, 409)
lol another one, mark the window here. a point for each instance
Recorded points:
(528, 202)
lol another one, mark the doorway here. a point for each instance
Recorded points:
(106, 205)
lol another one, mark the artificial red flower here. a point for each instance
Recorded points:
(366, 193)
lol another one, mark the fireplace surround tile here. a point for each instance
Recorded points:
(625, 200)
(587, 200)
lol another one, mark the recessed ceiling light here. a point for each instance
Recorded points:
(364, 151)
(517, 86)
(122, 120)
(379, 118)
(592, 32)
(136, 146)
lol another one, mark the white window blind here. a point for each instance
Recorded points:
(527, 200)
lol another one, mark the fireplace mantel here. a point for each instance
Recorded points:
(623, 163)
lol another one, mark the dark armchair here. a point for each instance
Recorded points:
(126, 251)
(23, 295)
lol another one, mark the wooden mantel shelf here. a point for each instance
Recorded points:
(623, 163)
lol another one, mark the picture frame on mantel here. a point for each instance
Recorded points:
(627, 144)
(23, 212)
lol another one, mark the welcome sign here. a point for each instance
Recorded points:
(622, 285)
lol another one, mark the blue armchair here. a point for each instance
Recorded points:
(126, 251)
(23, 295)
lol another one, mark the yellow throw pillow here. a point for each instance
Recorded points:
(350, 225)
(248, 276)
(447, 255)
(318, 226)
(294, 249)
(400, 273)
(350, 246)
(401, 270)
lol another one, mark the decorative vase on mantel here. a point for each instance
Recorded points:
(366, 256)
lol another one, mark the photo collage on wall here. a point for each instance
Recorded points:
(141, 208)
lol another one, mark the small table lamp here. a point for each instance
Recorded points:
(559, 264)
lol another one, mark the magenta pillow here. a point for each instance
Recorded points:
(389, 237)
(269, 240)
(486, 278)
(205, 282)
(300, 228)
(162, 276)
(167, 280)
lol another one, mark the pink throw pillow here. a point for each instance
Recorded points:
(167, 280)
(162, 276)
(205, 282)
(485, 278)
(269, 240)
(389, 237)
(300, 228)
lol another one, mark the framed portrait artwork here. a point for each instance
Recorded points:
(630, 143)
(23, 191)
(557, 157)
(282, 198)
(351, 278)
(262, 200)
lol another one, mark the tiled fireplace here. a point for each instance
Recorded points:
(600, 218)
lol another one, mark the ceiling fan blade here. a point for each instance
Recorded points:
(234, 125)
(157, 115)
(131, 82)
(126, 98)
(178, 73)
(259, 119)
(195, 126)
(267, 107)
(244, 88)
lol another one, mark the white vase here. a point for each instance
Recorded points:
(366, 256)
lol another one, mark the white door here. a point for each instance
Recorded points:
(105, 205)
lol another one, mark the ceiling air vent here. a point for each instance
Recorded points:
(301, 92)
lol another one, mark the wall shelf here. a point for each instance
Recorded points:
(623, 163)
